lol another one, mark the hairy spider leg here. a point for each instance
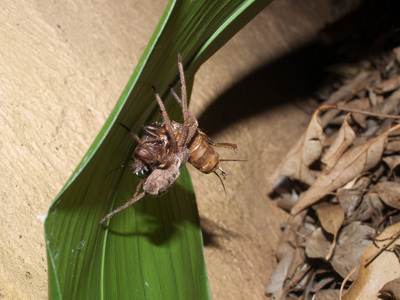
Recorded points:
(195, 125)
(167, 121)
(183, 137)
(131, 133)
(129, 203)
(141, 143)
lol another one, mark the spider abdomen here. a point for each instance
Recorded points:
(160, 180)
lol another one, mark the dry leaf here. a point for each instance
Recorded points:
(297, 266)
(287, 200)
(383, 267)
(342, 141)
(325, 277)
(352, 168)
(307, 150)
(393, 146)
(374, 99)
(276, 281)
(390, 104)
(350, 198)
(371, 207)
(331, 216)
(354, 162)
(361, 81)
(391, 290)
(287, 275)
(362, 104)
(327, 295)
(301, 271)
(318, 244)
(358, 83)
(393, 162)
(286, 189)
(389, 192)
(396, 250)
(290, 238)
(387, 85)
(352, 240)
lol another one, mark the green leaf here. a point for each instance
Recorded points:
(153, 249)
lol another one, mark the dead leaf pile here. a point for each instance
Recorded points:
(340, 184)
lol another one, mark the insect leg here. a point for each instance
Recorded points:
(221, 145)
(224, 145)
(222, 182)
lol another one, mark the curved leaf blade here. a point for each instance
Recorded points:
(153, 249)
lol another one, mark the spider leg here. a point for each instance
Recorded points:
(185, 132)
(192, 130)
(195, 123)
(132, 134)
(141, 143)
(191, 117)
(129, 203)
(167, 121)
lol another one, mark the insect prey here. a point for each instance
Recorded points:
(165, 148)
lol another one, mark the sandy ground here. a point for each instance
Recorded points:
(63, 67)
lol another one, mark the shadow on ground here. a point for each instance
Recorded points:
(371, 28)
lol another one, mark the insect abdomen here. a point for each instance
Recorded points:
(202, 155)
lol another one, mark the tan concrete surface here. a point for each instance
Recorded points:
(63, 65)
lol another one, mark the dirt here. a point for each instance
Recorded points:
(64, 66)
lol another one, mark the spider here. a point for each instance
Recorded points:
(165, 148)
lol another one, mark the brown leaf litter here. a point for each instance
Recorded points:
(342, 237)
